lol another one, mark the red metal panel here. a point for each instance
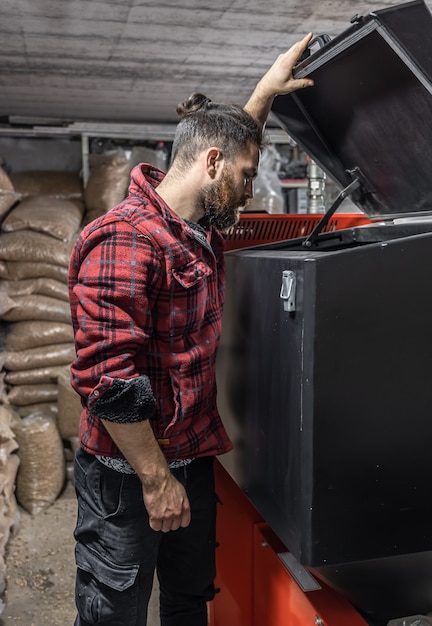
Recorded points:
(253, 230)
(236, 518)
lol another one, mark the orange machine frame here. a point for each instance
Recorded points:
(253, 586)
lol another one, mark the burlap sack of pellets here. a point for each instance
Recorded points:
(42, 472)
(2, 576)
(39, 308)
(107, 184)
(8, 196)
(69, 407)
(6, 302)
(34, 333)
(35, 376)
(20, 270)
(9, 462)
(42, 286)
(47, 408)
(7, 201)
(7, 436)
(27, 245)
(74, 443)
(7, 447)
(54, 216)
(23, 395)
(3, 397)
(48, 183)
(5, 182)
(9, 514)
(43, 356)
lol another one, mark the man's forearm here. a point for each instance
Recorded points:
(139, 446)
(259, 104)
(164, 497)
(277, 80)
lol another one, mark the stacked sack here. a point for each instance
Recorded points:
(9, 463)
(108, 182)
(109, 177)
(36, 239)
(43, 212)
(8, 195)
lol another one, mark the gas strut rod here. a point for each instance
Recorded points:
(311, 239)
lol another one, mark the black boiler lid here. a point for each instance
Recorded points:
(369, 115)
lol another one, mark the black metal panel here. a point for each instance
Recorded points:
(331, 406)
(260, 387)
(370, 110)
(410, 24)
(371, 425)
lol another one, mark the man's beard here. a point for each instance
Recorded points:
(220, 203)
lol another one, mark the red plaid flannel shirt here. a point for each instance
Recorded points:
(146, 298)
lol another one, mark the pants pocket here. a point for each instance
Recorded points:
(105, 592)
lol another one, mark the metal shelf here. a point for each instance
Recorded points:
(38, 127)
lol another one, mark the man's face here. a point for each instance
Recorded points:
(222, 199)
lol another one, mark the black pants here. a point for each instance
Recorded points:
(117, 552)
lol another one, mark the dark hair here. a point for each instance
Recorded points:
(205, 123)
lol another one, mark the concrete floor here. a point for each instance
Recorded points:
(40, 569)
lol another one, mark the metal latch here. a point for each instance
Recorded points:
(288, 290)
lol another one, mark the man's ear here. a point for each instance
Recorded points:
(214, 162)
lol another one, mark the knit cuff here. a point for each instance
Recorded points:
(126, 401)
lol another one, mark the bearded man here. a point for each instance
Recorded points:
(146, 291)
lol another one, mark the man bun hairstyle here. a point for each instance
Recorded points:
(195, 102)
(204, 123)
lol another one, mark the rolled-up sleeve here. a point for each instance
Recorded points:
(113, 280)
(123, 401)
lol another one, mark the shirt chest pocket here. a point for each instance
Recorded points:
(191, 274)
(192, 295)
